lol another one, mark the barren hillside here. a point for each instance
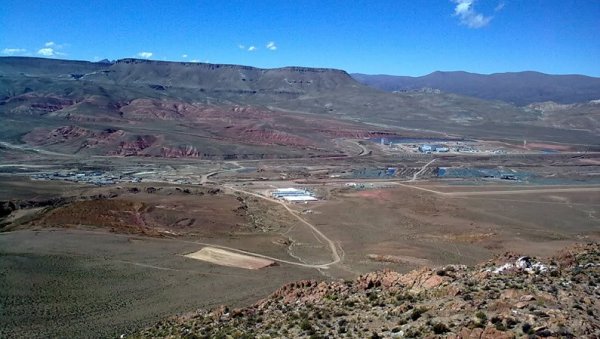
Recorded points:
(508, 297)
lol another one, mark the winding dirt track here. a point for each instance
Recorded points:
(334, 250)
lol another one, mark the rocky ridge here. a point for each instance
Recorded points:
(507, 297)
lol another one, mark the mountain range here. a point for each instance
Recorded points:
(134, 107)
(519, 88)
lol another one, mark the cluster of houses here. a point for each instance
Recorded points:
(92, 177)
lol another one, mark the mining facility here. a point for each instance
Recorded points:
(293, 195)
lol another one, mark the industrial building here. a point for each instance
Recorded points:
(426, 148)
(293, 195)
(433, 148)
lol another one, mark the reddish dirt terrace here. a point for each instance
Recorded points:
(190, 214)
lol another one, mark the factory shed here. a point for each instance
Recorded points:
(293, 195)
(299, 198)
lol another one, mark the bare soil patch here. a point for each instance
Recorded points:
(403, 228)
(170, 211)
(227, 258)
(77, 284)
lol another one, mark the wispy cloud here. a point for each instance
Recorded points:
(271, 46)
(240, 46)
(465, 10)
(252, 48)
(50, 44)
(184, 56)
(145, 55)
(13, 51)
(500, 6)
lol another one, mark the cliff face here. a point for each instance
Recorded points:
(508, 297)
(162, 75)
(111, 95)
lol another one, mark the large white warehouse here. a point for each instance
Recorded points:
(293, 195)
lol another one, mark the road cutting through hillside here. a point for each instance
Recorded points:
(414, 177)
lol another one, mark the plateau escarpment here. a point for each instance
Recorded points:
(219, 111)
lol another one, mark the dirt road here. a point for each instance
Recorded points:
(525, 191)
(421, 170)
(334, 250)
(502, 192)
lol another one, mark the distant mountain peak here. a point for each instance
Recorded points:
(520, 88)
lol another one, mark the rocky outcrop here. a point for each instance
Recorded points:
(520, 300)
(129, 148)
(266, 136)
(185, 151)
(33, 103)
(41, 136)
(548, 106)
(9, 206)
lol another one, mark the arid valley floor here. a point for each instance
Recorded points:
(134, 191)
(115, 254)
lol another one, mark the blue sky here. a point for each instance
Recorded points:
(377, 37)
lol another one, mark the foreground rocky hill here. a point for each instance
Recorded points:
(510, 296)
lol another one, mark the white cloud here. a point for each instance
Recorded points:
(52, 49)
(12, 51)
(240, 46)
(46, 51)
(500, 6)
(145, 55)
(184, 56)
(252, 48)
(468, 16)
(194, 60)
(271, 45)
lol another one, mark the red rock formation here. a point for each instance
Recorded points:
(42, 136)
(186, 151)
(135, 147)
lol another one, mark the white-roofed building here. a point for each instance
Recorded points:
(296, 198)
(293, 195)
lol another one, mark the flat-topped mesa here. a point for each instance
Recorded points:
(224, 77)
(199, 65)
(161, 75)
(33, 66)
(312, 69)
(211, 66)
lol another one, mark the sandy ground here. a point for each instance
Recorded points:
(403, 228)
(227, 258)
(77, 284)
(103, 284)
